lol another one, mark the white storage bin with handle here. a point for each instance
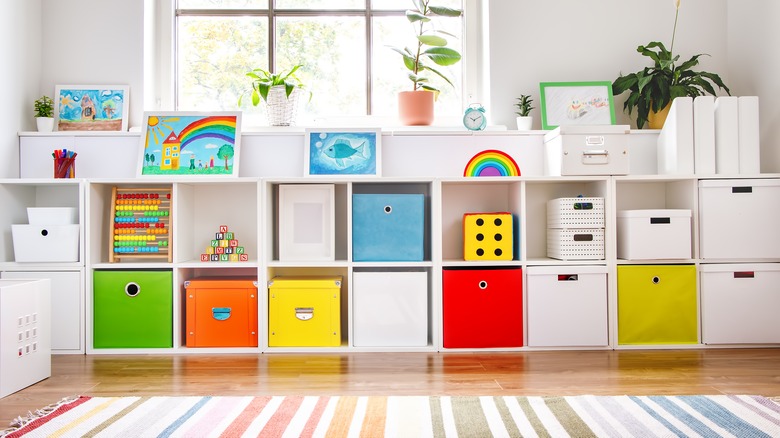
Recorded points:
(653, 234)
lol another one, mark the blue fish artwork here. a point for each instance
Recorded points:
(347, 153)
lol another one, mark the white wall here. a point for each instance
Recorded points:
(20, 44)
(754, 59)
(89, 42)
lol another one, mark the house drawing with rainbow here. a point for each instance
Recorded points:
(179, 144)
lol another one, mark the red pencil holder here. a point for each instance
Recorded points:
(65, 167)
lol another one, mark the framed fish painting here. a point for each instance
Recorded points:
(343, 152)
(190, 144)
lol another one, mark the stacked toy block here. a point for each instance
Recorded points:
(224, 248)
(488, 236)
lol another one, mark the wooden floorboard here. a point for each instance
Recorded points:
(636, 372)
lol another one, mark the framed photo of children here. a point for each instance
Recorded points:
(91, 107)
(343, 152)
(576, 103)
(192, 144)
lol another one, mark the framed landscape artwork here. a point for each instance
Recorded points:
(343, 152)
(193, 144)
(576, 103)
(91, 107)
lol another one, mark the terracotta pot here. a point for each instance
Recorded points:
(656, 120)
(415, 107)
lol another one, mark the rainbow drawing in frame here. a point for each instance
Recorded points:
(182, 143)
(343, 152)
(91, 107)
(491, 162)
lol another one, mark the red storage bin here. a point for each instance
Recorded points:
(221, 312)
(483, 308)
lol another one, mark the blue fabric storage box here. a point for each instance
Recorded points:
(388, 227)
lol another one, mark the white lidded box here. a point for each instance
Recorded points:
(578, 212)
(52, 215)
(45, 243)
(575, 243)
(738, 219)
(587, 150)
(653, 234)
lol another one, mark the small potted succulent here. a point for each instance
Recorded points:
(280, 91)
(44, 114)
(523, 110)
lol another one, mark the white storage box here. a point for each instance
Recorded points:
(740, 303)
(575, 244)
(390, 309)
(575, 213)
(39, 243)
(587, 150)
(52, 216)
(653, 234)
(738, 219)
(567, 306)
(307, 230)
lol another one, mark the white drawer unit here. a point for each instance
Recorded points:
(738, 219)
(567, 306)
(579, 212)
(390, 309)
(740, 303)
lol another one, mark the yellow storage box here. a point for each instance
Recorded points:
(304, 312)
(657, 304)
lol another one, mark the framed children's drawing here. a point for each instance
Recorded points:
(91, 107)
(343, 152)
(576, 103)
(193, 144)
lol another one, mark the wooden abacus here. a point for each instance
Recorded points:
(140, 224)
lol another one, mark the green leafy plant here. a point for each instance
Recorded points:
(431, 49)
(653, 88)
(523, 105)
(44, 107)
(263, 80)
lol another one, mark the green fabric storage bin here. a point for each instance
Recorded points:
(132, 309)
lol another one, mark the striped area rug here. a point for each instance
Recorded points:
(407, 416)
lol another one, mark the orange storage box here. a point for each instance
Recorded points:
(221, 312)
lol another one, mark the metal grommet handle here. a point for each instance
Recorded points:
(388, 209)
(132, 289)
(656, 280)
(483, 284)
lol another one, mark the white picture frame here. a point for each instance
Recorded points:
(334, 152)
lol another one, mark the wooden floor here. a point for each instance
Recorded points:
(646, 372)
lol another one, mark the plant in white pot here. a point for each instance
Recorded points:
(415, 107)
(281, 93)
(44, 114)
(523, 110)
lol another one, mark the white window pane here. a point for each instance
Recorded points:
(320, 4)
(332, 51)
(391, 76)
(214, 55)
(222, 4)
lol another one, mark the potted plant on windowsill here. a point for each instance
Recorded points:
(415, 107)
(44, 114)
(652, 89)
(523, 110)
(280, 92)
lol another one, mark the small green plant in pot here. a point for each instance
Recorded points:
(280, 92)
(44, 114)
(430, 53)
(523, 109)
(652, 89)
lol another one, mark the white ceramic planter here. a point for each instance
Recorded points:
(45, 124)
(524, 123)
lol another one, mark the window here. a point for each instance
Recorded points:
(343, 46)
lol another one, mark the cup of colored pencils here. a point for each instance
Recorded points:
(64, 163)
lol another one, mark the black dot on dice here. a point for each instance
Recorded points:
(480, 252)
(480, 237)
(498, 237)
(497, 222)
(480, 222)
(498, 252)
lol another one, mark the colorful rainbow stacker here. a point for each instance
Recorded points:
(491, 163)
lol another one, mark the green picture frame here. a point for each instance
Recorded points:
(576, 103)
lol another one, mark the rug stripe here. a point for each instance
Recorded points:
(506, 416)
(597, 424)
(569, 420)
(300, 418)
(437, 417)
(689, 420)
(94, 411)
(468, 416)
(116, 417)
(521, 420)
(757, 407)
(39, 422)
(314, 418)
(493, 417)
(374, 419)
(268, 411)
(244, 419)
(723, 417)
(533, 419)
(549, 422)
(279, 421)
(180, 421)
(342, 417)
(744, 408)
(624, 416)
(215, 416)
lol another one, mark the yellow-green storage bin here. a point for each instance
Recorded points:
(304, 312)
(657, 304)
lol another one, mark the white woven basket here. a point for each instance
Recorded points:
(282, 111)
